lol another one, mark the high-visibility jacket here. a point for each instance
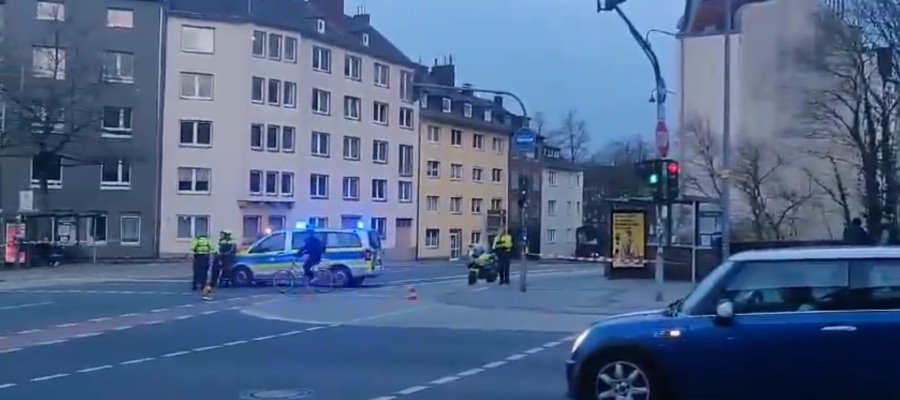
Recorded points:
(227, 246)
(202, 246)
(503, 242)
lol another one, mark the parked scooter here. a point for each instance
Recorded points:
(482, 265)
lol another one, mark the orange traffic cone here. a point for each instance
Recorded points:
(412, 295)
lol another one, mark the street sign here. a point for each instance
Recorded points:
(662, 138)
(525, 139)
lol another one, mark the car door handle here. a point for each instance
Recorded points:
(839, 328)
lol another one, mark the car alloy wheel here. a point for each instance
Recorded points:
(622, 380)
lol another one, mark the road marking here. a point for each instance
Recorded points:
(131, 314)
(49, 342)
(101, 319)
(446, 379)
(123, 327)
(92, 369)
(137, 361)
(155, 322)
(184, 317)
(234, 343)
(7, 385)
(261, 338)
(385, 398)
(481, 289)
(411, 390)
(159, 310)
(12, 350)
(494, 364)
(175, 354)
(26, 305)
(470, 372)
(48, 377)
(516, 357)
(534, 350)
(68, 325)
(210, 312)
(89, 334)
(290, 333)
(315, 328)
(552, 344)
(199, 349)
(28, 331)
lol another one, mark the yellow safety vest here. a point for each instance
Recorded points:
(504, 242)
(201, 245)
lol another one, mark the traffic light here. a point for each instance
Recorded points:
(662, 178)
(608, 5)
(673, 170)
(524, 186)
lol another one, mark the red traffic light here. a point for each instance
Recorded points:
(672, 168)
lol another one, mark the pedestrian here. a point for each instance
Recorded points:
(225, 255)
(201, 249)
(855, 234)
(503, 246)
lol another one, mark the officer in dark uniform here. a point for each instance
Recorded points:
(202, 249)
(226, 254)
(503, 247)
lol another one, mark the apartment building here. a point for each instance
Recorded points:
(103, 56)
(464, 153)
(273, 121)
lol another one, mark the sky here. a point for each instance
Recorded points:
(558, 55)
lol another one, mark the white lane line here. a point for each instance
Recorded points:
(156, 322)
(210, 312)
(26, 305)
(28, 331)
(7, 385)
(183, 317)
(234, 343)
(289, 333)
(261, 338)
(68, 325)
(49, 342)
(123, 327)
(446, 379)
(411, 390)
(315, 328)
(137, 361)
(93, 369)
(494, 364)
(470, 372)
(131, 314)
(199, 349)
(552, 344)
(186, 306)
(89, 334)
(159, 310)
(175, 354)
(48, 377)
(100, 319)
(515, 357)
(12, 350)
(534, 350)
(385, 398)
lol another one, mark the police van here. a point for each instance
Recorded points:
(352, 254)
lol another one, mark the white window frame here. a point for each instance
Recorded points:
(51, 11)
(433, 173)
(406, 160)
(498, 145)
(320, 25)
(120, 184)
(262, 89)
(432, 241)
(289, 99)
(551, 235)
(497, 175)
(262, 136)
(407, 116)
(433, 204)
(48, 62)
(279, 49)
(257, 34)
(288, 131)
(122, 220)
(290, 42)
(467, 110)
(496, 204)
(277, 92)
(350, 188)
(261, 180)
(116, 76)
(193, 225)
(406, 87)
(488, 115)
(475, 237)
(434, 134)
(365, 39)
(551, 207)
(379, 190)
(382, 75)
(51, 183)
(194, 172)
(200, 31)
(323, 99)
(320, 179)
(551, 178)
(281, 183)
(349, 143)
(446, 105)
(316, 143)
(321, 55)
(477, 174)
(456, 172)
(272, 130)
(352, 108)
(456, 205)
(380, 149)
(478, 141)
(404, 191)
(196, 77)
(124, 130)
(113, 22)
(380, 112)
(476, 205)
(353, 67)
(456, 137)
(275, 178)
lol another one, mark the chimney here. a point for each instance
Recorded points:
(498, 100)
(363, 19)
(467, 89)
(332, 10)
(443, 74)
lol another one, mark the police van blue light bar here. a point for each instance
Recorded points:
(300, 225)
(360, 225)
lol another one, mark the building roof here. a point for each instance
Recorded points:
(298, 16)
(703, 16)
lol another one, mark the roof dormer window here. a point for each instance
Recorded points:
(446, 105)
(365, 39)
(320, 25)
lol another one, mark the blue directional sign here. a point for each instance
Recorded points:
(525, 139)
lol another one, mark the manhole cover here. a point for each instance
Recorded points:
(276, 394)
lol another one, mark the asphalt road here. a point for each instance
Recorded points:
(154, 340)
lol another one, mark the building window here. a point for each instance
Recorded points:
(194, 180)
(379, 190)
(351, 148)
(191, 226)
(275, 46)
(198, 39)
(456, 205)
(478, 141)
(276, 223)
(119, 18)
(257, 89)
(48, 62)
(551, 177)
(320, 144)
(320, 25)
(351, 188)
(273, 134)
(317, 222)
(380, 152)
(382, 75)
(497, 175)
(256, 142)
(290, 94)
(551, 235)
(405, 165)
(274, 91)
(406, 117)
(498, 145)
(446, 105)
(433, 169)
(259, 43)
(477, 174)
(288, 136)
(117, 121)
(467, 110)
(195, 86)
(352, 107)
(321, 101)
(568, 208)
(380, 113)
(477, 204)
(130, 226)
(434, 134)
(405, 192)
(551, 207)
(251, 227)
(52, 171)
(272, 183)
(195, 133)
(287, 184)
(406, 86)
(365, 39)
(318, 186)
(456, 172)
(577, 208)
(256, 179)
(496, 204)
(115, 175)
(321, 59)
(118, 67)
(488, 115)
(475, 237)
(353, 67)
(379, 224)
(432, 203)
(456, 137)
(432, 238)
(51, 11)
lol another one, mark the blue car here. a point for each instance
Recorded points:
(804, 324)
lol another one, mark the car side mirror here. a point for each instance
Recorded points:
(725, 311)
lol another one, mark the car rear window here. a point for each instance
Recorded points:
(299, 237)
(343, 240)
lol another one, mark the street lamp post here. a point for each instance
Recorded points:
(523, 269)
(726, 132)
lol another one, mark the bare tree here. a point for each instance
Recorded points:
(539, 123)
(51, 95)
(702, 158)
(572, 136)
(624, 152)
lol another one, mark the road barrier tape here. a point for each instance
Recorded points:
(601, 259)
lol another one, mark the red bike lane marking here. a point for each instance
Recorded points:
(97, 326)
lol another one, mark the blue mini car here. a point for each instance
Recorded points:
(812, 323)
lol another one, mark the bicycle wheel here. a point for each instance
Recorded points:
(283, 281)
(323, 281)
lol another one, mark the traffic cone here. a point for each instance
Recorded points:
(412, 295)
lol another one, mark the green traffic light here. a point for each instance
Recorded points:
(654, 179)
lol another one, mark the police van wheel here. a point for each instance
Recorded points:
(357, 282)
(342, 276)
(241, 276)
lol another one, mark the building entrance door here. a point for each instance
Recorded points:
(455, 244)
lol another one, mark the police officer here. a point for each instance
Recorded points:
(503, 247)
(202, 249)
(227, 251)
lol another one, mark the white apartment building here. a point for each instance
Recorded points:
(267, 127)
(764, 104)
(561, 214)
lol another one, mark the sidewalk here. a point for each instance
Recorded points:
(23, 278)
(584, 294)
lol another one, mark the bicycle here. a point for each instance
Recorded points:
(321, 282)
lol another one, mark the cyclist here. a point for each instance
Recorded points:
(313, 249)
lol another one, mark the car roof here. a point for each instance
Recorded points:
(818, 253)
